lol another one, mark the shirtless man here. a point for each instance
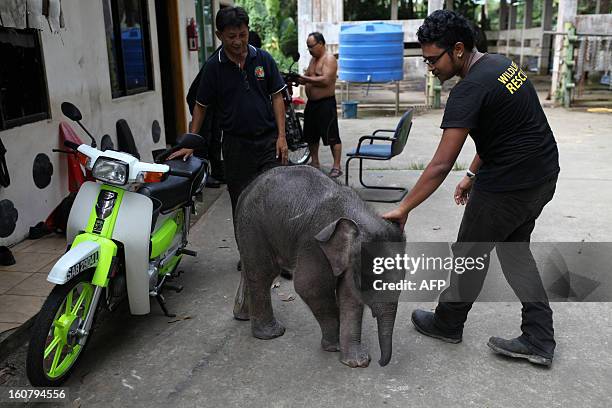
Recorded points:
(320, 115)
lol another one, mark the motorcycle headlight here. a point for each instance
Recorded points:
(110, 171)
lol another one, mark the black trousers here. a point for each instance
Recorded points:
(244, 159)
(491, 218)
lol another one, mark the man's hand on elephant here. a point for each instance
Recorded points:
(397, 216)
(184, 153)
(462, 191)
(282, 150)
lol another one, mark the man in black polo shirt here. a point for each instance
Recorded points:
(512, 177)
(244, 85)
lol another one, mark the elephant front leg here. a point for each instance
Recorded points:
(319, 292)
(354, 354)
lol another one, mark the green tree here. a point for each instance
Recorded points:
(274, 21)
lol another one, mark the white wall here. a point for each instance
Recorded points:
(190, 63)
(77, 69)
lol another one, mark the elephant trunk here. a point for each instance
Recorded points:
(385, 316)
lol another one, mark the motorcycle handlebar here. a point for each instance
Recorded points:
(71, 145)
(290, 76)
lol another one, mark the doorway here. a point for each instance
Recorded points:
(170, 65)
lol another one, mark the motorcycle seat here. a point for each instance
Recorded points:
(175, 191)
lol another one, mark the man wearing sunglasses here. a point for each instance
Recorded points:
(512, 177)
(244, 86)
(320, 115)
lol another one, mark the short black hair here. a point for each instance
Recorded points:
(231, 17)
(445, 28)
(318, 37)
(254, 39)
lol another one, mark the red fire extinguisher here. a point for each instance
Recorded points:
(192, 36)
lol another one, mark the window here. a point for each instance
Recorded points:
(128, 45)
(23, 85)
(204, 17)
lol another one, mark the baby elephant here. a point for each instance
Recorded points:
(298, 220)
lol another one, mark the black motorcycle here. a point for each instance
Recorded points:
(294, 120)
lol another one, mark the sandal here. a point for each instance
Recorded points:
(335, 173)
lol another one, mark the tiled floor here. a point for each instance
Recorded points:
(24, 286)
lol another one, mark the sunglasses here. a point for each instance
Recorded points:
(310, 47)
(431, 61)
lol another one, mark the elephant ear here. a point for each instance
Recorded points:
(338, 241)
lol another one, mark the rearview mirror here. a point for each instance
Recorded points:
(296, 57)
(71, 111)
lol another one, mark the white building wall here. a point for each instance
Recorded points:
(77, 68)
(190, 63)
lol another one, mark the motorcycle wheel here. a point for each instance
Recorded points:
(300, 153)
(54, 346)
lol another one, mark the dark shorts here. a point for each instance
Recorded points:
(321, 122)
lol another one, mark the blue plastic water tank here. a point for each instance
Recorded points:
(372, 52)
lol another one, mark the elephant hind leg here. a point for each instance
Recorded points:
(260, 274)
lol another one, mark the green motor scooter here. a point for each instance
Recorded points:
(126, 235)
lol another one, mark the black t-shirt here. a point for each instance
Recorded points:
(242, 94)
(499, 105)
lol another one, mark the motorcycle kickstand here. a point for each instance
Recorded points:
(162, 303)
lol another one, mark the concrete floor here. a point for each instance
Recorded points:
(207, 359)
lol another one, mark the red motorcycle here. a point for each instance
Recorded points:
(294, 119)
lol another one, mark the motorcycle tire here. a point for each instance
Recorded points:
(46, 364)
(300, 153)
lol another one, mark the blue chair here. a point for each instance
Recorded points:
(389, 147)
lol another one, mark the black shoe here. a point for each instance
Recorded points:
(212, 182)
(219, 177)
(424, 323)
(6, 256)
(517, 349)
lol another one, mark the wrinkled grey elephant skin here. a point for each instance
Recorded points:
(298, 220)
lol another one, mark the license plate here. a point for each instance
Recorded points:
(85, 264)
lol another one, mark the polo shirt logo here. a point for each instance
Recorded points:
(259, 72)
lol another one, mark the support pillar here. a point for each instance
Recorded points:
(433, 87)
(433, 5)
(304, 15)
(567, 14)
(503, 15)
(545, 41)
(513, 16)
(528, 15)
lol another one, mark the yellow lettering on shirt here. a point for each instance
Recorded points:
(503, 78)
(512, 78)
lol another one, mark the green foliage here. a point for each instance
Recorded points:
(274, 21)
(360, 10)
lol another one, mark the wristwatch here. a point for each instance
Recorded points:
(470, 174)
